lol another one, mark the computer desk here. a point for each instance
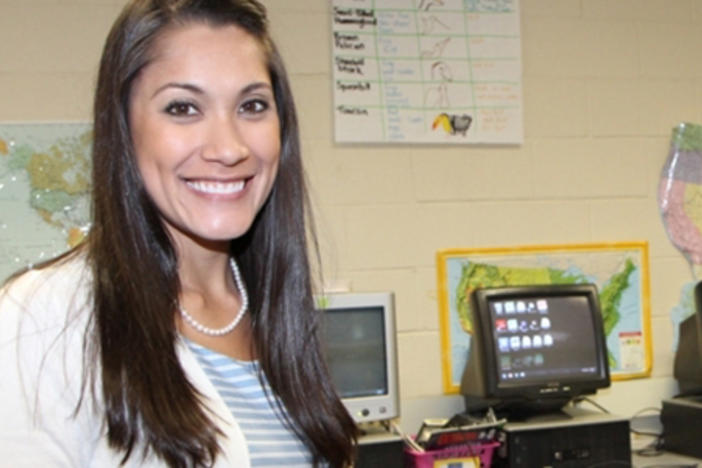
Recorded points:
(389, 455)
(659, 459)
(664, 460)
(414, 410)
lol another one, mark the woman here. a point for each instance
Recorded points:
(122, 350)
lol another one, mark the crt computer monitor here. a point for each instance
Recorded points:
(687, 367)
(359, 338)
(534, 348)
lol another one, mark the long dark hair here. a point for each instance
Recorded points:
(148, 400)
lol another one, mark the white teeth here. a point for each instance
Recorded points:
(219, 188)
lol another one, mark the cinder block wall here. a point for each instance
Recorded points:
(604, 82)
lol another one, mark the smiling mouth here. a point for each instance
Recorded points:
(216, 188)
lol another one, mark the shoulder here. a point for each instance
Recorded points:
(66, 272)
(54, 294)
(44, 315)
(43, 319)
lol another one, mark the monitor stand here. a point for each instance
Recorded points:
(551, 416)
(519, 410)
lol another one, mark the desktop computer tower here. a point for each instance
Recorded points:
(574, 440)
(379, 449)
(682, 425)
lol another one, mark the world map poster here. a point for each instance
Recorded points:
(619, 270)
(44, 191)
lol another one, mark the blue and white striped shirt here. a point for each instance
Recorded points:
(271, 442)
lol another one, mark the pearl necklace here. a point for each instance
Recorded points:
(232, 325)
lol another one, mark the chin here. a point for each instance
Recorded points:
(223, 233)
(212, 229)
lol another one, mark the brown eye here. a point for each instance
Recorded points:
(181, 108)
(254, 106)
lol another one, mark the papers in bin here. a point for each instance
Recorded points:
(435, 434)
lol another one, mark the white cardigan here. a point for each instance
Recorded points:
(43, 316)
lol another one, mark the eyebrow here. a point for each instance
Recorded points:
(186, 86)
(197, 90)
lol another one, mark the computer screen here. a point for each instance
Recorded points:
(360, 349)
(535, 348)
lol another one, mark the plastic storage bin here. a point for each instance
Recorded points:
(474, 455)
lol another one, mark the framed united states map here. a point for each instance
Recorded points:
(620, 271)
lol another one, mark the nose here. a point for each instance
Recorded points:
(224, 142)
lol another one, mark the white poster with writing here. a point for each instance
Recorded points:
(427, 71)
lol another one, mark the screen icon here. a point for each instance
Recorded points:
(548, 340)
(512, 325)
(505, 363)
(503, 344)
(545, 323)
(515, 343)
(542, 305)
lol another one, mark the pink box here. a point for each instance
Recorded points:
(456, 456)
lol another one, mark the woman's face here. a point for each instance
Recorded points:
(205, 130)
